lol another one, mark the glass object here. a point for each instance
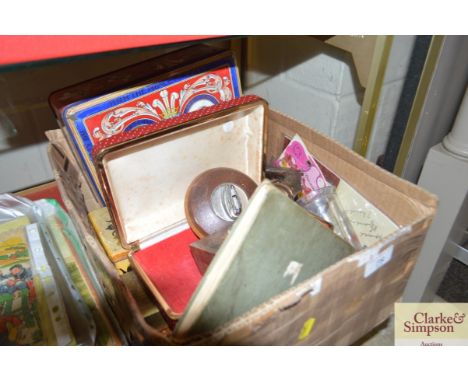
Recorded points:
(325, 204)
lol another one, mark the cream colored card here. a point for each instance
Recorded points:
(368, 221)
(431, 324)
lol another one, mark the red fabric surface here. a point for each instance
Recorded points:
(16, 49)
(170, 267)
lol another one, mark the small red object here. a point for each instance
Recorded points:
(169, 265)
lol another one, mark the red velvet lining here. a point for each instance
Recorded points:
(170, 267)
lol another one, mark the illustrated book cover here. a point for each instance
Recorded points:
(20, 294)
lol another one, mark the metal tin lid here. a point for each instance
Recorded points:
(145, 173)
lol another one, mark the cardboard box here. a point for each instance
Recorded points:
(337, 306)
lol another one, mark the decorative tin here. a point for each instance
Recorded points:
(187, 87)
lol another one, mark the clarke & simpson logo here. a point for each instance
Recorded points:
(432, 324)
(441, 323)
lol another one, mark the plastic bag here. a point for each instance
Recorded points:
(79, 314)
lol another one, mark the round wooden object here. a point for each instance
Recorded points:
(216, 198)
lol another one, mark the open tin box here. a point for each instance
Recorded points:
(145, 174)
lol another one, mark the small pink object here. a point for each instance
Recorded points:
(296, 156)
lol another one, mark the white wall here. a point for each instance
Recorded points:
(317, 84)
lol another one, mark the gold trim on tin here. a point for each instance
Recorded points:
(375, 80)
(418, 103)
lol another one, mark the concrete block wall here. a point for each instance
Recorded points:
(307, 79)
(318, 85)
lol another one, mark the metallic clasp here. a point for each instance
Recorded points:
(227, 201)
